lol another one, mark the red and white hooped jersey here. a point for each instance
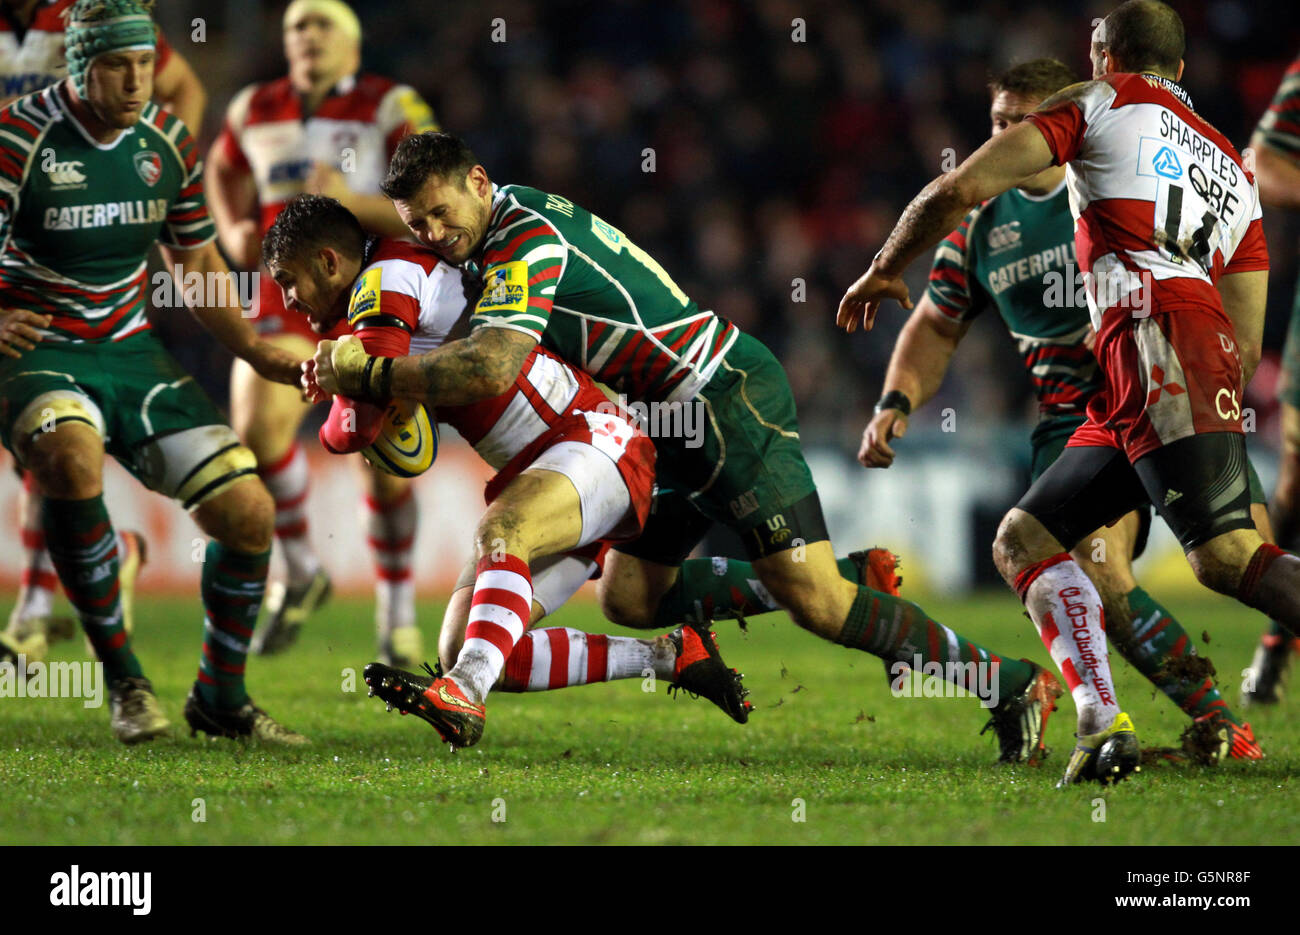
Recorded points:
(1159, 197)
(33, 58)
(355, 129)
(406, 300)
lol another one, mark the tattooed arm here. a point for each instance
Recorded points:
(461, 372)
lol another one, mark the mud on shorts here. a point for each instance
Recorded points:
(1166, 430)
(154, 419)
(743, 466)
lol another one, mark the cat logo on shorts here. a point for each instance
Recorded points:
(1227, 397)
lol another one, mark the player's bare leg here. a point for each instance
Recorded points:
(240, 520)
(1240, 564)
(390, 517)
(1151, 639)
(1263, 681)
(1067, 611)
(267, 416)
(67, 465)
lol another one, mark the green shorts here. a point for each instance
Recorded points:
(1288, 389)
(744, 469)
(154, 419)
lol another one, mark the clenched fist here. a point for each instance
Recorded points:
(343, 368)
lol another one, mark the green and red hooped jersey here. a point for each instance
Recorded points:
(77, 217)
(556, 271)
(1015, 253)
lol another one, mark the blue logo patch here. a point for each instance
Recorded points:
(1167, 164)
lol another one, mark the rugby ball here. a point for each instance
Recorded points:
(407, 443)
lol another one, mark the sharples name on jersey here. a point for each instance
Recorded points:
(105, 214)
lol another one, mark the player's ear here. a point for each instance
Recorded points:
(477, 181)
(1179, 76)
(330, 260)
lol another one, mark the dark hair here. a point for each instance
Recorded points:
(422, 155)
(1039, 78)
(1145, 35)
(307, 223)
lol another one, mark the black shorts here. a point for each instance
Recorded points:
(1199, 484)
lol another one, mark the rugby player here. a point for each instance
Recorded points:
(324, 128)
(572, 476)
(1168, 230)
(32, 57)
(90, 377)
(1015, 254)
(1276, 144)
(555, 273)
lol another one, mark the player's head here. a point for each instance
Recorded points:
(1021, 88)
(313, 252)
(1139, 36)
(441, 193)
(110, 50)
(322, 40)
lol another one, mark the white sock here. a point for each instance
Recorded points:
(558, 657)
(1066, 609)
(287, 482)
(391, 528)
(498, 615)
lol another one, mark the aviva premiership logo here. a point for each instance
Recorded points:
(149, 165)
(505, 288)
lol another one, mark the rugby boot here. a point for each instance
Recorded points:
(1106, 756)
(135, 714)
(700, 671)
(1020, 721)
(248, 720)
(401, 647)
(878, 570)
(32, 648)
(287, 609)
(1267, 669)
(435, 698)
(1210, 739)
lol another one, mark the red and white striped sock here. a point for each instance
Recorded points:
(498, 615)
(391, 527)
(1066, 609)
(286, 479)
(558, 657)
(38, 583)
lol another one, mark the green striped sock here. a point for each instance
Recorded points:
(233, 583)
(83, 548)
(1159, 644)
(897, 630)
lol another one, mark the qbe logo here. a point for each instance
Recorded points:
(105, 888)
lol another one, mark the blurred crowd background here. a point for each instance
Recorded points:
(787, 137)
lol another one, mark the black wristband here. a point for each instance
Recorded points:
(895, 399)
(377, 379)
(385, 382)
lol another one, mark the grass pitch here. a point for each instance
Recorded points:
(827, 744)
